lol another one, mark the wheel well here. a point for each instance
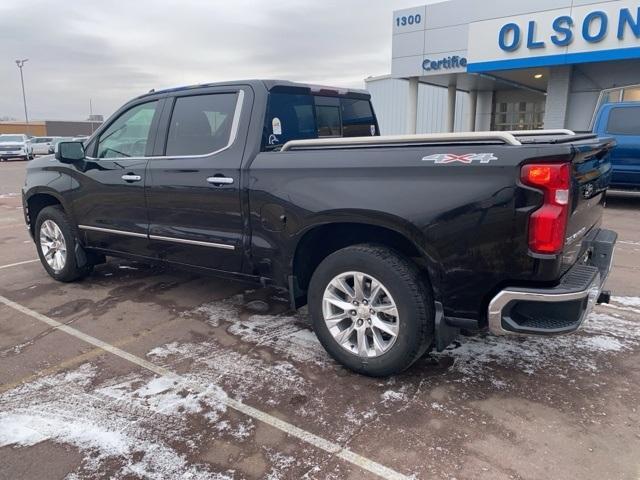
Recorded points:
(36, 203)
(322, 241)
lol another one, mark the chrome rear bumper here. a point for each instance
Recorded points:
(557, 310)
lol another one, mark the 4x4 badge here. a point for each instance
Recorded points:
(464, 158)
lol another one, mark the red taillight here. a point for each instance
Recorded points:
(548, 224)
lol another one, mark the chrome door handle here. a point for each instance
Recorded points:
(220, 180)
(131, 178)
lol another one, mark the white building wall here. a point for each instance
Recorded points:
(588, 80)
(558, 88)
(484, 111)
(389, 98)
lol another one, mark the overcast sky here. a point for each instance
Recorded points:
(111, 51)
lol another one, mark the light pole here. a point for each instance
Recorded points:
(20, 64)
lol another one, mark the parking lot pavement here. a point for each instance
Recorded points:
(147, 372)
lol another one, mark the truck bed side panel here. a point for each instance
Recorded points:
(468, 219)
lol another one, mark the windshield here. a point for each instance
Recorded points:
(11, 138)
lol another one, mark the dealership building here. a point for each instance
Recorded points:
(508, 64)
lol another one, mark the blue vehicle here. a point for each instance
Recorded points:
(622, 122)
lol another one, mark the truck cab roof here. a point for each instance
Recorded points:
(273, 85)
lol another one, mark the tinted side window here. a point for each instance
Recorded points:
(328, 118)
(301, 116)
(127, 136)
(201, 124)
(357, 118)
(289, 117)
(624, 121)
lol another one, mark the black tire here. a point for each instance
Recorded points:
(412, 296)
(71, 270)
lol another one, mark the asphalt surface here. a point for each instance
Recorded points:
(148, 372)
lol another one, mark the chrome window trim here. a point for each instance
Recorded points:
(158, 237)
(192, 242)
(110, 230)
(233, 134)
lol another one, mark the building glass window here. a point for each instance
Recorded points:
(631, 94)
(518, 116)
(612, 96)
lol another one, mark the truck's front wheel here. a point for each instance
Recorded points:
(371, 310)
(57, 243)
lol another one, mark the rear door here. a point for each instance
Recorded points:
(624, 124)
(193, 189)
(109, 199)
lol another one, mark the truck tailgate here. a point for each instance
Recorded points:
(591, 174)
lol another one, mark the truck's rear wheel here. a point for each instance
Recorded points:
(57, 243)
(371, 309)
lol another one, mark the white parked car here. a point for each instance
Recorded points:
(41, 145)
(15, 146)
(56, 141)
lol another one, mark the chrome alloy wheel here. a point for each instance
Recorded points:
(53, 245)
(360, 314)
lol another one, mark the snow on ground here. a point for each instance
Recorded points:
(144, 423)
(143, 427)
(213, 364)
(289, 335)
(475, 358)
(483, 360)
(133, 422)
(602, 335)
(281, 333)
(216, 312)
(633, 302)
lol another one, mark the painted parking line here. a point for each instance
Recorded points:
(2, 267)
(286, 427)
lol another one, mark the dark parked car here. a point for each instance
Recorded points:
(396, 243)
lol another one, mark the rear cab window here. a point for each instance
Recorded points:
(624, 121)
(299, 116)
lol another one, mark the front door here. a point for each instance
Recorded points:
(109, 201)
(193, 188)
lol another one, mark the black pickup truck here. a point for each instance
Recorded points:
(395, 242)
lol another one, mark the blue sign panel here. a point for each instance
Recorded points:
(594, 28)
(600, 33)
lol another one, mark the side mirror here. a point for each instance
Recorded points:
(69, 152)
